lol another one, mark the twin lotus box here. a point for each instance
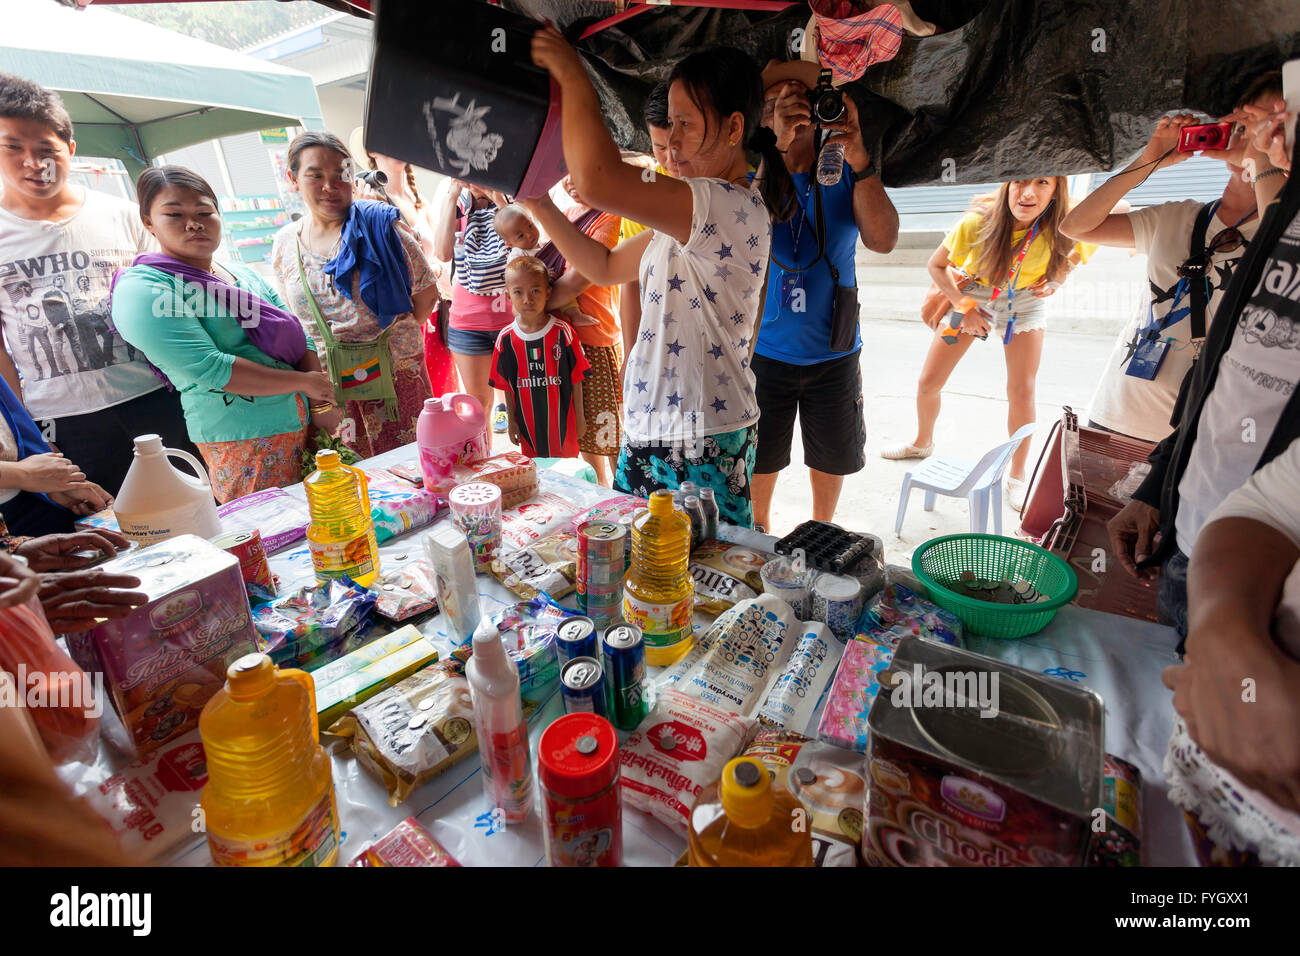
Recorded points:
(167, 658)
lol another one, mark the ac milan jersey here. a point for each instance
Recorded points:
(540, 369)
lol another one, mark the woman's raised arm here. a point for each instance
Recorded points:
(599, 173)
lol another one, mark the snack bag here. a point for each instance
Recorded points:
(310, 618)
(539, 516)
(613, 510)
(681, 745)
(396, 507)
(279, 517)
(413, 731)
(898, 612)
(406, 591)
(407, 844)
(856, 686)
(734, 663)
(512, 471)
(1121, 797)
(548, 565)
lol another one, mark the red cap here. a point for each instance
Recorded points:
(578, 755)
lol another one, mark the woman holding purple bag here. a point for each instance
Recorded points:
(248, 375)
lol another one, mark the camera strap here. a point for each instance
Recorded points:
(819, 217)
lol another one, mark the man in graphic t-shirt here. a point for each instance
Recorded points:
(59, 247)
(1241, 407)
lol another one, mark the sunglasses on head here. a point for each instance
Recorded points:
(1227, 240)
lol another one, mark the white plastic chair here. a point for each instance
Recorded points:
(979, 484)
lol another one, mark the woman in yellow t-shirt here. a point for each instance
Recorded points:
(1009, 288)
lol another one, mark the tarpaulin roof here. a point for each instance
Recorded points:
(1006, 89)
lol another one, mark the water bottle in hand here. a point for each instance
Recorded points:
(830, 164)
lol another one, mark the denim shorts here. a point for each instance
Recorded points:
(471, 341)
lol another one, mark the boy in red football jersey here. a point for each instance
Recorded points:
(538, 364)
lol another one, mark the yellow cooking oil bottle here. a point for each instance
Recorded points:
(269, 799)
(745, 819)
(658, 594)
(341, 537)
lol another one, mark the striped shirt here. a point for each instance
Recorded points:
(540, 369)
(481, 254)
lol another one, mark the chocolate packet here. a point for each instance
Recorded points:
(413, 731)
(726, 574)
(549, 565)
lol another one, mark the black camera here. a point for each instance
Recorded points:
(827, 102)
(373, 178)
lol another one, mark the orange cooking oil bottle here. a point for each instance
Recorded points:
(269, 799)
(658, 594)
(341, 537)
(745, 819)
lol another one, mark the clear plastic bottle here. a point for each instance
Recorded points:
(269, 799)
(658, 594)
(499, 722)
(342, 533)
(744, 819)
(830, 164)
(709, 507)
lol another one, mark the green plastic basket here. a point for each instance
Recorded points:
(940, 562)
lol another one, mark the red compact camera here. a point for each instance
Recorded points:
(1208, 136)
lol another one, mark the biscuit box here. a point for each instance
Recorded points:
(949, 787)
(167, 658)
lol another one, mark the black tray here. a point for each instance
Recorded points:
(826, 546)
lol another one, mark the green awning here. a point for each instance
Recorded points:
(135, 90)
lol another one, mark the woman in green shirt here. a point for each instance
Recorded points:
(220, 335)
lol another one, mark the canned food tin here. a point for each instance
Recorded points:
(247, 547)
(582, 684)
(624, 649)
(602, 561)
(576, 637)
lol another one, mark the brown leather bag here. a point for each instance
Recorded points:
(935, 305)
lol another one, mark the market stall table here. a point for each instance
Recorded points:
(1118, 657)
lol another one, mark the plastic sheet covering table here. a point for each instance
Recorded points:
(1118, 657)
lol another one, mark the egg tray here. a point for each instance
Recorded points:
(826, 546)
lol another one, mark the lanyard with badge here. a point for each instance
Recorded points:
(1152, 344)
(791, 286)
(1015, 277)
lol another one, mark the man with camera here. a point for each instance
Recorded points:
(806, 361)
(1191, 249)
(1240, 408)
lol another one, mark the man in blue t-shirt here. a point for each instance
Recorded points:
(796, 372)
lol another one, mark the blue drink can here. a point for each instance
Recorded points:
(576, 638)
(625, 665)
(582, 685)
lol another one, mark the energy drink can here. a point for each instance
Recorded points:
(602, 551)
(576, 637)
(582, 685)
(624, 650)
